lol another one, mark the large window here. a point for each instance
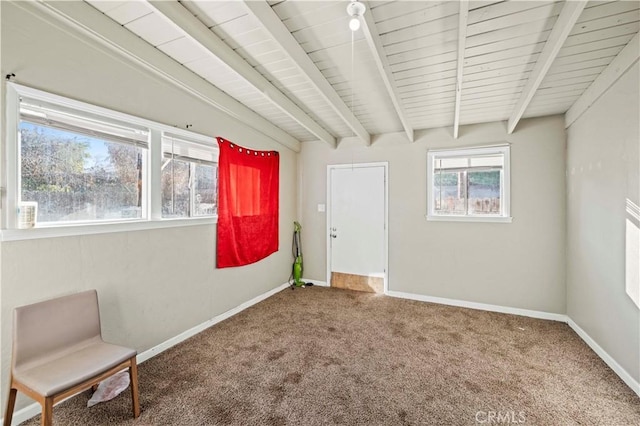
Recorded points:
(79, 168)
(72, 163)
(469, 184)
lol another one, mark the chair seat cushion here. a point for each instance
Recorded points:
(59, 374)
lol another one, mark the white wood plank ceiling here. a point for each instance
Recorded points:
(412, 65)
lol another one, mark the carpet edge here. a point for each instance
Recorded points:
(150, 353)
(480, 306)
(316, 282)
(608, 359)
(34, 409)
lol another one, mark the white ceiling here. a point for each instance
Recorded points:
(297, 64)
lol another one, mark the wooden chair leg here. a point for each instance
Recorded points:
(47, 412)
(133, 378)
(11, 403)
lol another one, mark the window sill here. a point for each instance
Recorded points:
(100, 228)
(488, 219)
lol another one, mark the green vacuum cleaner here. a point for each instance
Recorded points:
(296, 249)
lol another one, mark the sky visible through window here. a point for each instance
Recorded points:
(76, 177)
(96, 148)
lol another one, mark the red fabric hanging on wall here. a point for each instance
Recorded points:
(248, 182)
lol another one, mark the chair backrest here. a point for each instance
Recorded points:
(46, 328)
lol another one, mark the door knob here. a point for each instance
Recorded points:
(333, 235)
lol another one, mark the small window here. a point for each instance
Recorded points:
(79, 167)
(469, 184)
(189, 178)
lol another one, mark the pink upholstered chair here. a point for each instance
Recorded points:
(58, 352)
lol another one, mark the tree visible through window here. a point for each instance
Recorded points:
(469, 182)
(74, 177)
(189, 181)
(72, 163)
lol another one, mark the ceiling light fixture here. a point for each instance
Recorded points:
(355, 9)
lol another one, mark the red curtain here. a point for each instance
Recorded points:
(247, 204)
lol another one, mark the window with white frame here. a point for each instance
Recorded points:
(79, 167)
(189, 178)
(79, 164)
(469, 184)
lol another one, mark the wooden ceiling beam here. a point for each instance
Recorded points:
(627, 57)
(463, 16)
(271, 23)
(184, 20)
(563, 26)
(105, 33)
(384, 69)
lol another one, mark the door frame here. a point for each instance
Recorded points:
(385, 165)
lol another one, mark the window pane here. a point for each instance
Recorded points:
(180, 147)
(75, 177)
(452, 163)
(494, 161)
(484, 192)
(82, 122)
(449, 192)
(206, 191)
(471, 183)
(175, 188)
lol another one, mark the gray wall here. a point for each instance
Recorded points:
(156, 284)
(602, 165)
(521, 264)
(152, 284)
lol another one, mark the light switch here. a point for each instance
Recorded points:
(321, 208)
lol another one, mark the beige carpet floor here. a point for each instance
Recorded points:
(320, 356)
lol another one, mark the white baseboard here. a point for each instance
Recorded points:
(34, 409)
(149, 353)
(25, 413)
(315, 282)
(608, 359)
(480, 306)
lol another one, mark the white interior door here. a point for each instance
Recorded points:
(357, 220)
